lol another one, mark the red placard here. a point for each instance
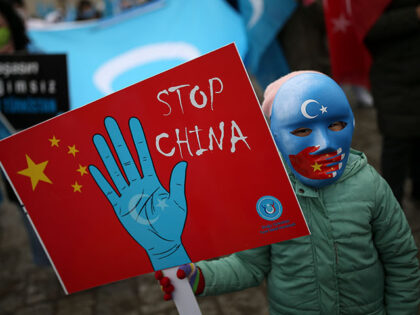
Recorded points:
(147, 210)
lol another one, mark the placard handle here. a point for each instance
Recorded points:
(183, 296)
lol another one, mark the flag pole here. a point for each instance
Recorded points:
(183, 296)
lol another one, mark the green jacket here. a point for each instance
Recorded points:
(359, 259)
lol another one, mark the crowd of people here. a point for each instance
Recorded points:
(361, 255)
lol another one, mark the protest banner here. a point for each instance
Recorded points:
(177, 168)
(33, 87)
(107, 55)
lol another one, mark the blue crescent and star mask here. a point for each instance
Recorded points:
(315, 102)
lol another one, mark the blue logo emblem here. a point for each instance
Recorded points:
(269, 208)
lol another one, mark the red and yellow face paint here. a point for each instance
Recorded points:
(317, 166)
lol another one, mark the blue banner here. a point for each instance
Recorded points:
(107, 55)
(264, 19)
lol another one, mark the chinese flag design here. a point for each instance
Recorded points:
(347, 23)
(38, 173)
(317, 166)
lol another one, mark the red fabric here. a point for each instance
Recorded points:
(347, 23)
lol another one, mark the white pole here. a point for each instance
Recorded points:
(183, 296)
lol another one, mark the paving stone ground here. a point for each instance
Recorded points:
(26, 289)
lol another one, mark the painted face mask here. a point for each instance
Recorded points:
(312, 124)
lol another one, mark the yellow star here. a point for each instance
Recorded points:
(82, 170)
(77, 187)
(35, 172)
(54, 141)
(72, 150)
(316, 167)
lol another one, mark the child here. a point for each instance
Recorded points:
(360, 257)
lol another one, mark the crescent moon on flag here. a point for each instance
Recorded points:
(257, 11)
(108, 72)
(303, 109)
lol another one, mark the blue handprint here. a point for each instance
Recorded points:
(154, 217)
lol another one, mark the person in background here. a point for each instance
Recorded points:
(13, 37)
(20, 7)
(394, 44)
(86, 10)
(360, 257)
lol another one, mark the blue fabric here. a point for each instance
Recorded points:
(140, 44)
(264, 19)
(272, 65)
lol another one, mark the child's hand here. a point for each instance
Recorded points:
(190, 271)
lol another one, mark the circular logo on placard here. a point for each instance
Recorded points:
(269, 208)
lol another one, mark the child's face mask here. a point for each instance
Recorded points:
(312, 124)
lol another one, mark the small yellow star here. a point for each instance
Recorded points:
(77, 187)
(82, 170)
(72, 150)
(35, 172)
(316, 167)
(54, 141)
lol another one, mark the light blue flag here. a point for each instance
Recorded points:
(107, 55)
(264, 19)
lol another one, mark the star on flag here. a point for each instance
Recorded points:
(38, 171)
(54, 141)
(77, 187)
(340, 24)
(72, 150)
(316, 166)
(347, 24)
(35, 172)
(162, 204)
(82, 170)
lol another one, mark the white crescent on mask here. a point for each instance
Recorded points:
(108, 72)
(303, 108)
